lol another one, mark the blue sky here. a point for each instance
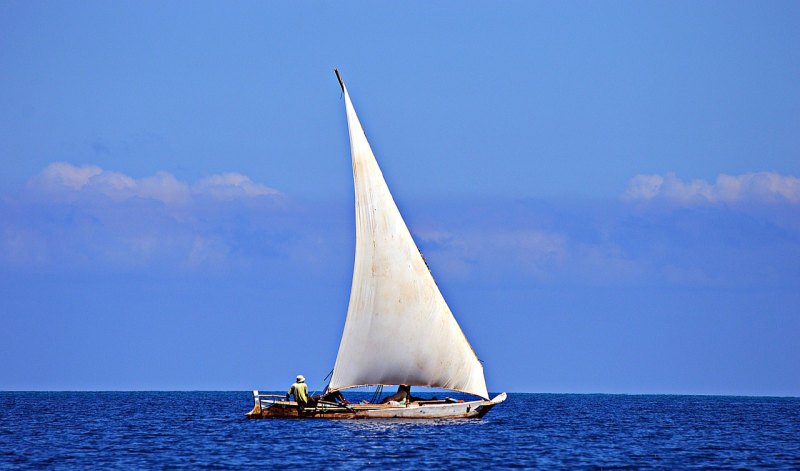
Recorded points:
(607, 193)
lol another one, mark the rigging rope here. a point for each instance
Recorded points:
(320, 383)
(377, 394)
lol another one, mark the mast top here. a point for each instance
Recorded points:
(339, 77)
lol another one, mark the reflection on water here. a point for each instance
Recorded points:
(406, 425)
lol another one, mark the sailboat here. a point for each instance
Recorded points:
(399, 329)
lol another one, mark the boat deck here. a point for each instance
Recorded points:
(446, 408)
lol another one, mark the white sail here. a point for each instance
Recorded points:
(399, 329)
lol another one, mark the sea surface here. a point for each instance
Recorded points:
(208, 430)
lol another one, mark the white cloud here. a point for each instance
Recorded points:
(769, 187)
(110, 183)
(65, 181)
(164, 187)
(62, 174)
(228, 186)
(644, 187)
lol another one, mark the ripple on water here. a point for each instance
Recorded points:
(122, 430)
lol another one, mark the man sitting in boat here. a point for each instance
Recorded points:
(402, 396)
(300, 392)
(335, 396)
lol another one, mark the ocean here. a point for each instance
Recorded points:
(208, 430)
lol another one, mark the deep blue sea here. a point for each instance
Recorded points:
(157, 430)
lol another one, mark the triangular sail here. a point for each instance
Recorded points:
(399, 329)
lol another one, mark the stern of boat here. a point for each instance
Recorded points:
(268, 405)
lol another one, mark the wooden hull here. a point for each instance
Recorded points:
(415, 410)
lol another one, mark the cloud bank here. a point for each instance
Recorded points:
(760, 187)
(62, 180)
(71, 217)
(85, 218)
(741, 231)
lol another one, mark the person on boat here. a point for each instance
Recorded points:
(335, 396)
(403, 395)
(300, 392)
